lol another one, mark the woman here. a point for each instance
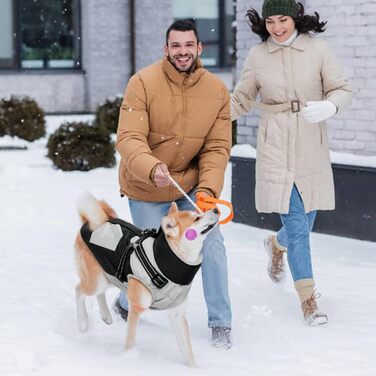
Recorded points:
(300, 86)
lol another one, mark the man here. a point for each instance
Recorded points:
(175, 120)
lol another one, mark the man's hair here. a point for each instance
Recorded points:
(182, 25)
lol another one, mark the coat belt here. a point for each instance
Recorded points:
(293, 106)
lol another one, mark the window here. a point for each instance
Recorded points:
(214, 21)
(6, 33)
(39, 34)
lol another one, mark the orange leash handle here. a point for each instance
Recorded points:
(207, 203)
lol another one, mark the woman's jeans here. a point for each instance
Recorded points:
(294, 235)
(214, 263)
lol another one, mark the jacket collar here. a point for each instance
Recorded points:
(299, 43)
(181, 78)
(171, 266)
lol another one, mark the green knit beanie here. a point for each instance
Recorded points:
(282, 7)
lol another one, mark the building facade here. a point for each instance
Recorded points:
(351, 32)
(70, 55)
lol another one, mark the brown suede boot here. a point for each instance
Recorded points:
(306, 291)
(312, 315)
(276, 263)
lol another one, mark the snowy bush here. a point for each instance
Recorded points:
(21, 117)
(107, 114)
(79, 146)
(2, 125)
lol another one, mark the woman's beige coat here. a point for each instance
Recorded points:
(290, 150)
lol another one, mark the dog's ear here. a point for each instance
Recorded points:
(170, 227)
(173, 208)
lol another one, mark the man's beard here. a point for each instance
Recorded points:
(189, 70)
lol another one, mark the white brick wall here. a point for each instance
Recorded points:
(54, 92)
(106, 42)
(153, 17)
(351, 31)
(105, 48)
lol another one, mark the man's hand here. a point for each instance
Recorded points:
(200, 202)
(161, 176)
(316, 111)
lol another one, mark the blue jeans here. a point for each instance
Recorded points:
(294, 235)
(214, 263)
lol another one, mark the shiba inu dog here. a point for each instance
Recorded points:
(156, 269)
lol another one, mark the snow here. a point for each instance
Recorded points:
(38, 329)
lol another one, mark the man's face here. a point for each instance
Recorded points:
(183, 50)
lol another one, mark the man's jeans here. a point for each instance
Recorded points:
(214, 263)
(294, 235)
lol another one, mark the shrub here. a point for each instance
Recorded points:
(79, 146)
(22, 117)
(107, 114)
(2, 125)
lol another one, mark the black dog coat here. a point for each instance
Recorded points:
(124, 251)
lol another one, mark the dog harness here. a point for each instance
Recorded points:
(125, 251)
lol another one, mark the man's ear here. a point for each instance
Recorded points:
(199, 49)
(173, 208)
(165, 50)
(170, 227)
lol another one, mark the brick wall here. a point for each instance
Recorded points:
(105, 48)
(54, 92)
(153, 17)
(106, 43)
(351, 31)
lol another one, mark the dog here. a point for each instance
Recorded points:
(156, 269)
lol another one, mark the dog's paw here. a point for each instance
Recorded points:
(83, 326)
(191, 364)
(107, 319)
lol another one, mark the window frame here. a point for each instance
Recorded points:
(15, 62)
(222, 40)
(11, 62)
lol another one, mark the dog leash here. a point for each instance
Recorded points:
(185, 195)
(206, 203)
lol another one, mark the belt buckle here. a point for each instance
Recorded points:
(295, 106)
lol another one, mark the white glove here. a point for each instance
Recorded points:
(316, 111)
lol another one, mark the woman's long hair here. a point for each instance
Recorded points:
(303, 23)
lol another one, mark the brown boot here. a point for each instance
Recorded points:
(312, 315)
(276, 263)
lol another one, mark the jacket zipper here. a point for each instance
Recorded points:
(180, 135)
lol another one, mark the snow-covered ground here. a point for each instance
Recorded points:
(38, 331)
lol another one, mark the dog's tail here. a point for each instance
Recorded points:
(93, 211)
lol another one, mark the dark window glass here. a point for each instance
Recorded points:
(6, 34)
(229, 33)
(48, 34)
(214, 20)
